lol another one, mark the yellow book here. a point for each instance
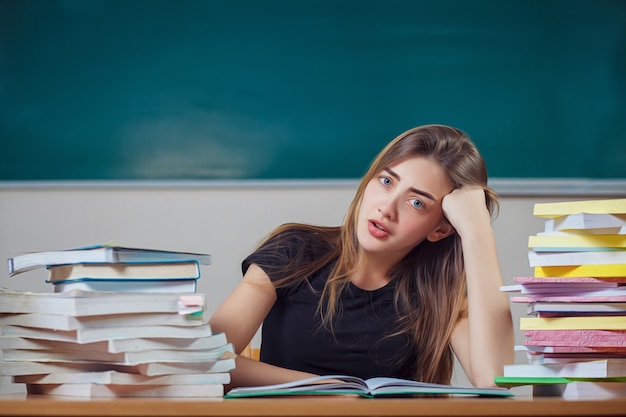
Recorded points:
(577, 241)
(574, 323)
(552, 210)
(574, 271)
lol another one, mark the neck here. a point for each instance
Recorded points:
(372, 273)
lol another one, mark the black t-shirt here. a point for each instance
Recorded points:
(359, 343)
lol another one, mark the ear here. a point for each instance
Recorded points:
(444, 229)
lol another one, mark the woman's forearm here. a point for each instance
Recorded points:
(251, 372)
(490, 326)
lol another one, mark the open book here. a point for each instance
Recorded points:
(370, 388)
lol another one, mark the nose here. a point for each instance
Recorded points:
(388, 209)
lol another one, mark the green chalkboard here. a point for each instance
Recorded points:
(303, 89)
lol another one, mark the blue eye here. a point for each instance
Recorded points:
(417, 204)
(385, 181)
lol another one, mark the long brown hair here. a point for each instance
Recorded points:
(430, 291)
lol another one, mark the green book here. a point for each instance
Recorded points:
(517, 381)
(568, 388)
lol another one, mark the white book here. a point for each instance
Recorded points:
(585, 221)
(581, 389)
(66, 322)
(195, 343)
(123, 378)
(143, 286)
(35, 368)
(548, 307)
(570, 357)
(99, 254)
(88, 390)
(585, 235)
(225, 364)
(560, 289)
(117, 345)
(604, 368)
(124, 271)
(576, 258)
(123, 358)
(105, 333)
(87, 303)
(150, 369)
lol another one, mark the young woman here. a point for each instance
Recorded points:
(410, 279)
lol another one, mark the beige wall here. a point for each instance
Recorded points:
(225, 221)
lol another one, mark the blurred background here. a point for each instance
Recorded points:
(244, 89)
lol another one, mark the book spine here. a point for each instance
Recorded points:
(538, 242)
(595, 271)
(559, 209)
(574, 323)
(588, 338)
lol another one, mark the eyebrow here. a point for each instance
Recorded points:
(415, 190)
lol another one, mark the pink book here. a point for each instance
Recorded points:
(606, 338)
(570, 298)
(543, 350)
(608, 282)
(565, 288)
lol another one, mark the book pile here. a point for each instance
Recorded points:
(134, 335)
(575, 328)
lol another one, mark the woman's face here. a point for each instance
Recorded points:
(401, 207)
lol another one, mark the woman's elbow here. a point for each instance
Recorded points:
(484, 382)
(484, 379)
(483, 375)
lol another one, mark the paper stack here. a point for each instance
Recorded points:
(138, 339)
(575, 329)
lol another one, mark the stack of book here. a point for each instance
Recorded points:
(136, 334)
(115, 268)
(575, 329)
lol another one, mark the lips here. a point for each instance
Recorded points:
(377, 229)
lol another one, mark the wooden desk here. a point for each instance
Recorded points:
(20, 405)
